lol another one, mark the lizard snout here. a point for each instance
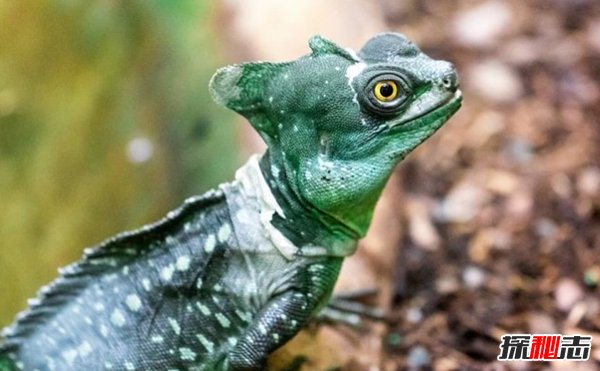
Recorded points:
(449, 79)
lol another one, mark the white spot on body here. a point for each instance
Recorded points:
(207, 344)
(146, 284)
(104, 330)
(134, 303)
(157, 339)
(224, 232)
(210, 243)
(274, 168)
(167, 272)
(316, 267)
(244, 316)
(69, 356)
(203, 308)
(262, 329)
(183, 263)
(84, 349)
(117, 318)
(129, 366)
(223, 321)
(174, 325)
(99, 307)
(186, 354)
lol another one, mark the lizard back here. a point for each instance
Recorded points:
(77, 319)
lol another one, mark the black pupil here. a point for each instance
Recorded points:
(386, 90)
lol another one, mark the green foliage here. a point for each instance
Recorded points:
(78, 82)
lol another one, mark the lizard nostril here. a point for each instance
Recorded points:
(450, 81)
(447, 82)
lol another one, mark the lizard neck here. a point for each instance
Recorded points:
(313, 231)
(265, 212)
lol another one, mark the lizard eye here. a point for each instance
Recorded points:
(385, 91)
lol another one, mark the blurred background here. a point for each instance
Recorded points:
(491, 227)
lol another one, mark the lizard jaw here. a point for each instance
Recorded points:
(451, 103)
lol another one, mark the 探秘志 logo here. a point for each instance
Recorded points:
(543, 347)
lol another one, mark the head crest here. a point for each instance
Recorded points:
(320, 45)
(388, 46)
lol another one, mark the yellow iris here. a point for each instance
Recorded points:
(385, 91)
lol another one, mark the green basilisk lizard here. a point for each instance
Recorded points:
(230, 276)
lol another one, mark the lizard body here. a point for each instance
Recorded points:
(230, 276)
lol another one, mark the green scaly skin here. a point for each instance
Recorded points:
(229, 277)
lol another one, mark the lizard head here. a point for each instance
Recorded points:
(336, 122)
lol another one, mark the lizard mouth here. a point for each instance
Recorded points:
(445, 108)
